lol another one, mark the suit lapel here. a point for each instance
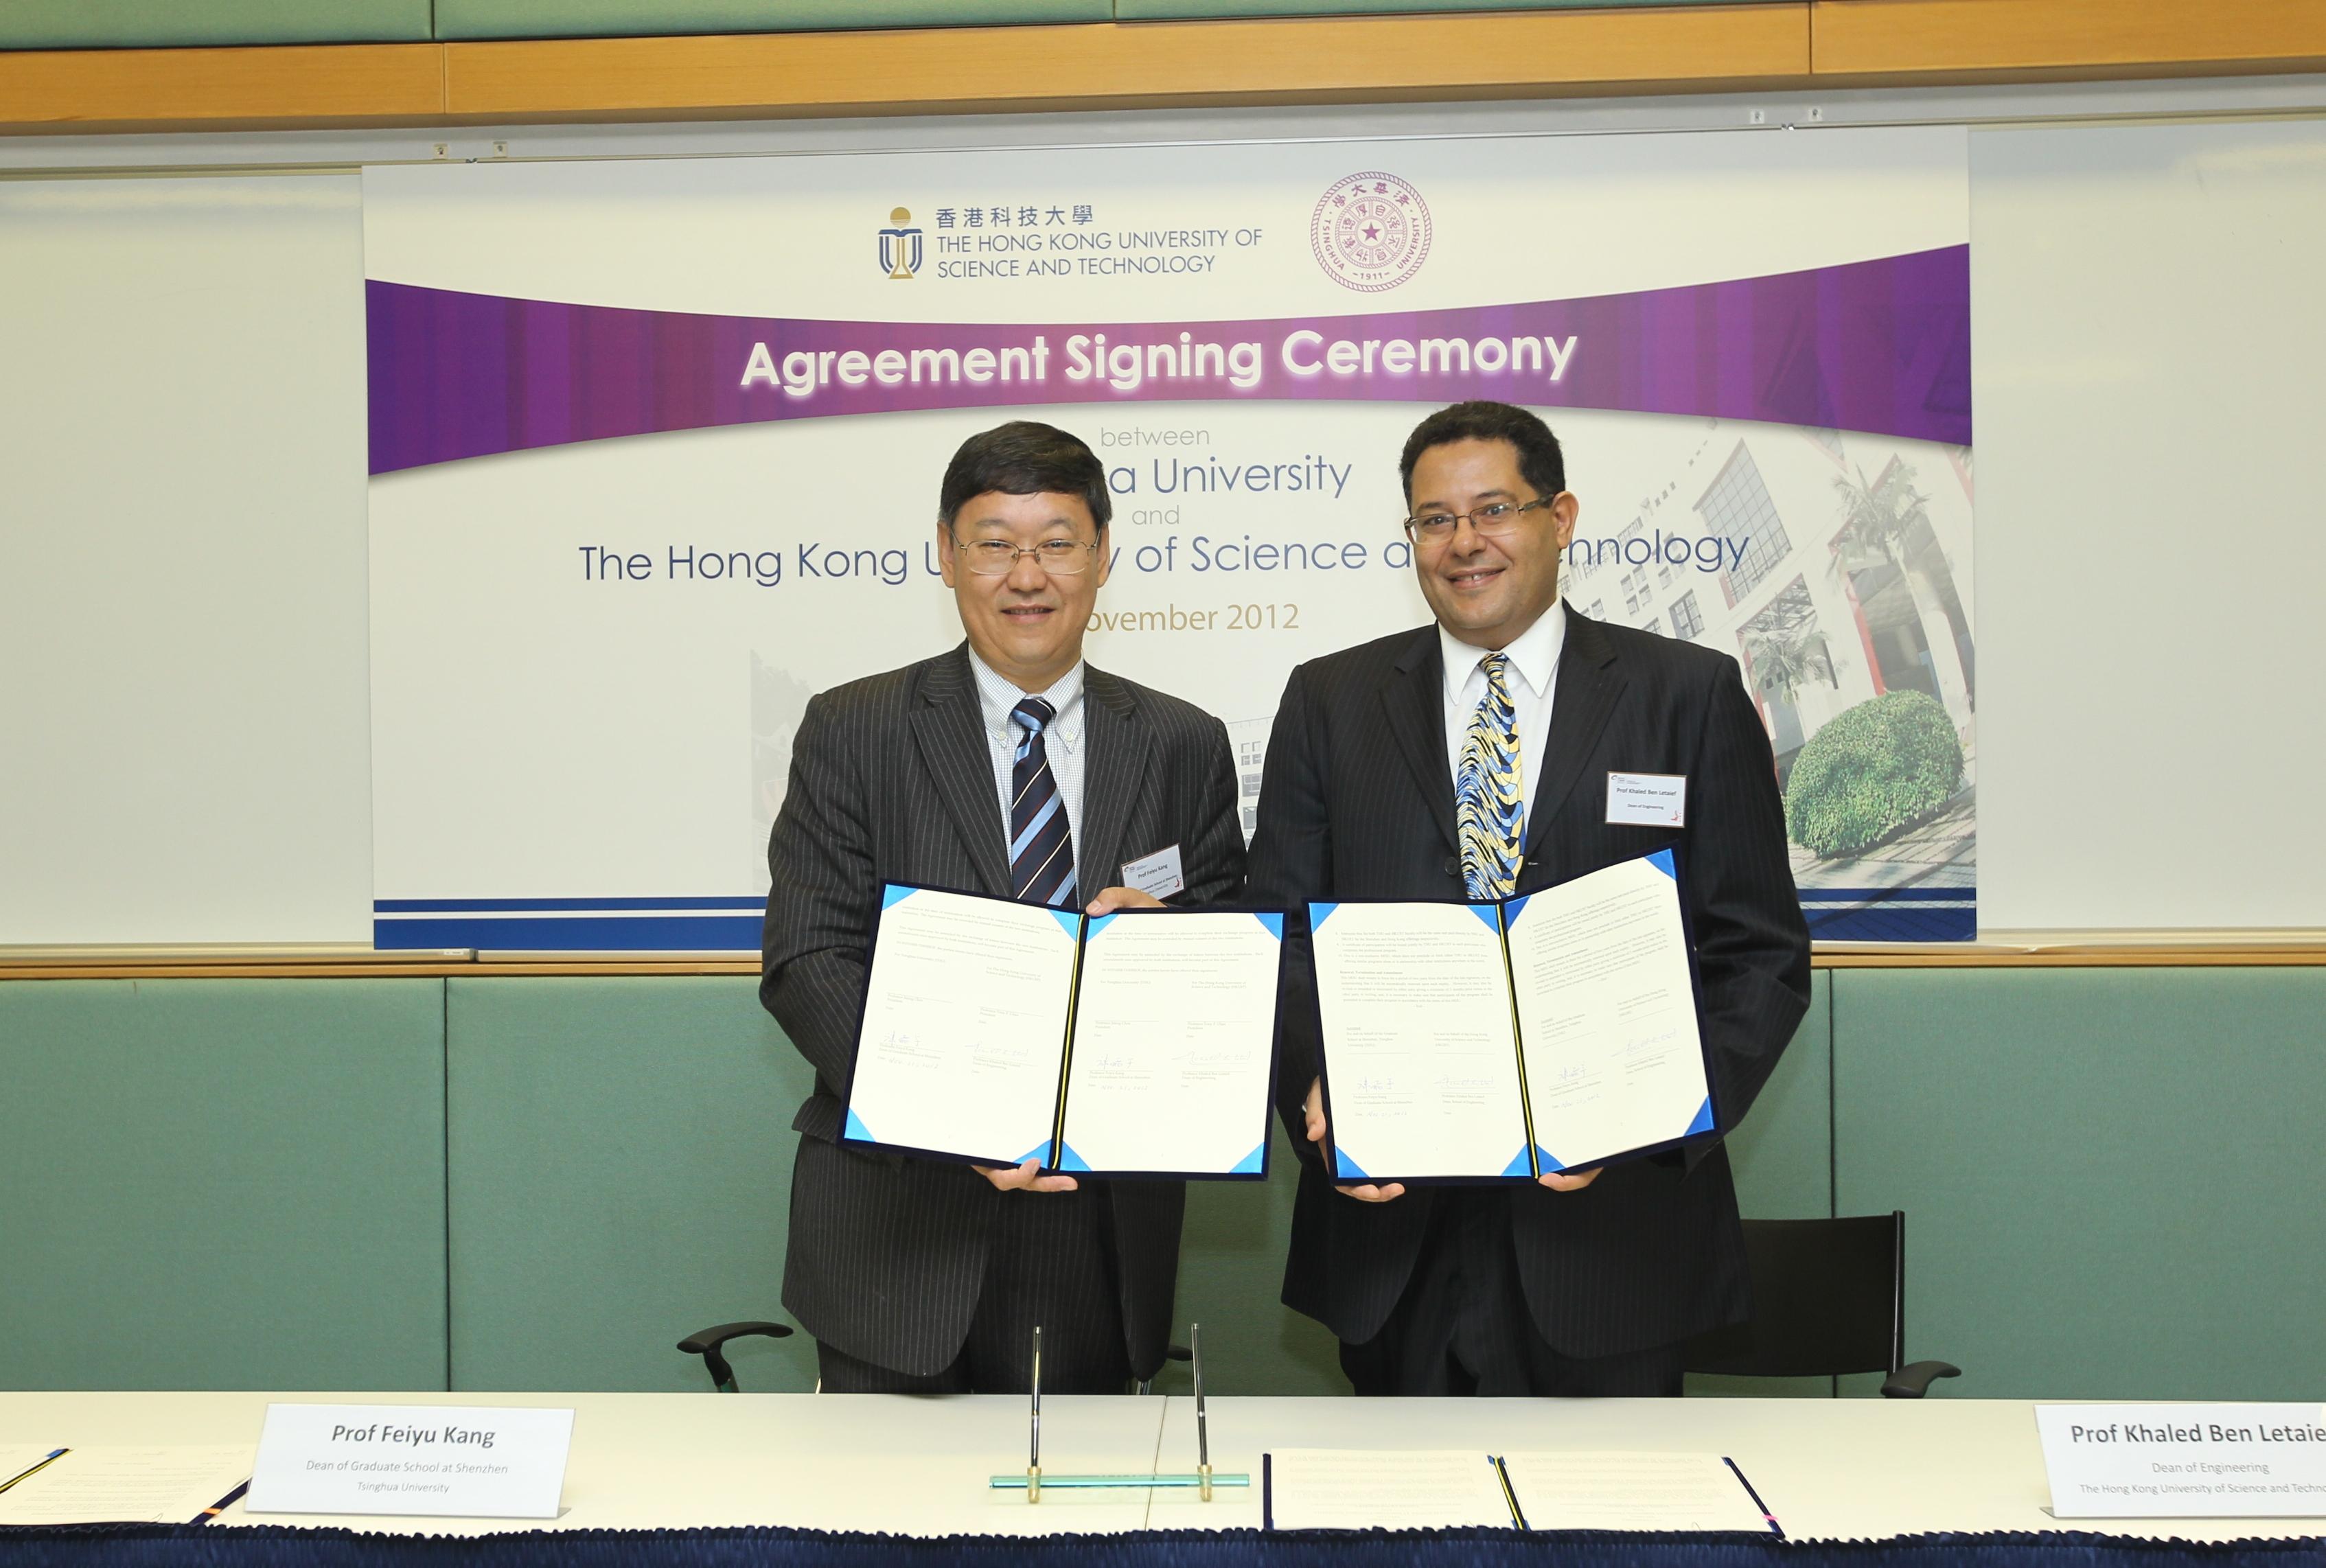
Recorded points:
(949, 731)
(1584, 695)
(1415, 698)
(1115, 760)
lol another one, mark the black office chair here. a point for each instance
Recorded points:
(709, 1344)
(1828, 1297)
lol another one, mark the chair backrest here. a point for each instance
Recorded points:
(1828, 1297)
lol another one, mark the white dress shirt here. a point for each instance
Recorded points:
(1062, 742)
(1533, 673)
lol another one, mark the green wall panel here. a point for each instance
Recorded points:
(631, 18)
(2111, 1176)
(621, 1156)
(1783, 1154)
(1783, 1160)
(1231, 1275)
(222, 1184)
(165, 24)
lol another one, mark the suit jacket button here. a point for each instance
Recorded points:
(1453, 864)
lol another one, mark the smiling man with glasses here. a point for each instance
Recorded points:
(1477, 758)
(1007, 766)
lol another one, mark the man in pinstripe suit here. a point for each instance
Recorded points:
(1008, 766)
(1471, 758)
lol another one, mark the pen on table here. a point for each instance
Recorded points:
(220, 1506)
(36, 1469)
(1509, 1497)
(1203, 1437)
(1033, 1454)
(1775, 1528)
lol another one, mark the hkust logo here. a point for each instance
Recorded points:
(1370, 231)
(900, 247)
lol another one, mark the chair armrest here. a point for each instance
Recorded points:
(1170, 1353)
(706, 1343)
(1913, 1381)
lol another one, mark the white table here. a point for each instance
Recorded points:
(1828, 1468)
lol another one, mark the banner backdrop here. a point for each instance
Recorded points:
(655, 446)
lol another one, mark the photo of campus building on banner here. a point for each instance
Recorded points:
(1845, 594)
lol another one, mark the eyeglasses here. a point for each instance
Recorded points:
(1493, 520)
(998, 557)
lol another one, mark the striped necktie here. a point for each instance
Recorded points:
(1486, 801)
(1041, 850)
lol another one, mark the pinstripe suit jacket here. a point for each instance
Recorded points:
(1359, 803)
(891, 780)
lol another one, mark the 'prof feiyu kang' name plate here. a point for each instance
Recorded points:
(445, 1460)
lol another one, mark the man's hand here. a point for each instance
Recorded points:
(1569, 1180)
(1111, 899)
(1025, 1178)
(1313, 1109)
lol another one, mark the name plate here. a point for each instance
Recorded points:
(2185, 1461)
(449, 1461)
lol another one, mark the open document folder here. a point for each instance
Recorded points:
(1134, 1044)
(1472, 1042)
(1329, 1489)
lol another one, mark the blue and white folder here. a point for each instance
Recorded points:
(1476, 1042)
(1137, 1043)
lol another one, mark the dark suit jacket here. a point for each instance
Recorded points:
(1359, 803)
(891, 780)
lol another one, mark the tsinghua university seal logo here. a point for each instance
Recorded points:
(1371, 231)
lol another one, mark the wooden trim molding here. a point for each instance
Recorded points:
(285, 87)
(1327, 59)
(1130, 65)
(2095, 958)
(362, 969)
(911, 70)
(1876, 41)
(395, 966)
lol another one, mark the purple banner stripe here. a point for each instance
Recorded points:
(1879, 346)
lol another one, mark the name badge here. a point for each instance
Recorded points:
(1647, 800)
(1158, 875)
(448, 1461)
(2184, 1461)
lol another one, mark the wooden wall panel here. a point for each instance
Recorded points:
(1783, 44)
(1129, 66)
(1969, 40)
(102, 89)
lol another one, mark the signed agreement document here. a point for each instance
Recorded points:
(1350, 1488)
(1421, 1064)
(107, 1486)
(1475, 1042)
(1134, 1044)
(1324, 1489)
(1584, 1490)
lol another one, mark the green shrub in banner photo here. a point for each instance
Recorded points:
(1870, 771)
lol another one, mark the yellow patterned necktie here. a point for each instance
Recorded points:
(1486, 803)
